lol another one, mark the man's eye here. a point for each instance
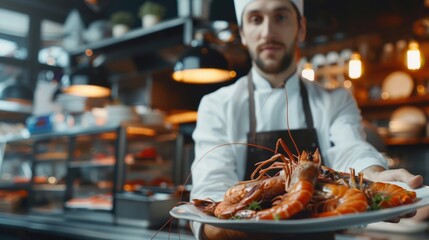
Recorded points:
(280, 18)
(255, 19)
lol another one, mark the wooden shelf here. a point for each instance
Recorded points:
(50, 157)
(413, 100)
(406, 141)
(95, 163)
(14, 111)
(142, 38)
(49, 187)
(145, 49)
(14, 186)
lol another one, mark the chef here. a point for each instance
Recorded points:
(271, 99)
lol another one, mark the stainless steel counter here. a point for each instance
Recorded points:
(366, 234)
(60, 227)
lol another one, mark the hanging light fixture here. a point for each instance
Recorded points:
(16, 93)
(85, 90)
(86, 81)
(308, 72)
(84, 86)
(413, 56)
(355, 66)
(202, 64)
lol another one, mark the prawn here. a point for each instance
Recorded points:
(260, 188)
(299, 192)
(379, 194)
(386, 195)
(261, 192)
(341, 197)
(340, 200)
(208, 206)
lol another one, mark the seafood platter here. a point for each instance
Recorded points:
(304, 196)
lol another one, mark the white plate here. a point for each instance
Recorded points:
(189, 212)
(404, 226)
(398, 85)
(410, 115)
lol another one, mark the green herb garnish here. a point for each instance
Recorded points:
(254, 206)
(377, 200)
(235, 218)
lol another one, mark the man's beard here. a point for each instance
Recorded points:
(283, 64)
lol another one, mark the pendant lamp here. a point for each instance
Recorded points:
(202, 64)
(86, 82)
(17, 93)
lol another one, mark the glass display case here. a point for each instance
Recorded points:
(15, 175)
(91, 169)
(149, 163)
(49, 172)
(83, 172)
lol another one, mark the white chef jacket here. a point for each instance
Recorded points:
(223, 123)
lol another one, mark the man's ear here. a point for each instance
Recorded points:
(243, 39)
(302, 31)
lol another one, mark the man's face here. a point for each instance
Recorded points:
(270, 30)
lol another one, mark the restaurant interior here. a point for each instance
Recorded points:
(99, 100)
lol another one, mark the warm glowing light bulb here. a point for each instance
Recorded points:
(203, 75)
(355, 66)
(89, 52)
(348, 84)
(308, 72)
(413, 56)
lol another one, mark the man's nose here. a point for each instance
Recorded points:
(267, 29)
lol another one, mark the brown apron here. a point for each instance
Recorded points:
(305, 139)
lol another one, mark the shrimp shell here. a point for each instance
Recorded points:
(341, 200)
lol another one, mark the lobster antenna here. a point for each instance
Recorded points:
(282, 85)
(266, 99)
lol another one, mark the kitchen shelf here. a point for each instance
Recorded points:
(51, 156)
(393, 103)
(157, 47)
(176, 31)
(88, 206)
(14, 186)
(50, 161)
(15, 107)
(49, 187)
(406, 141)
(14, 111)
(82, 164)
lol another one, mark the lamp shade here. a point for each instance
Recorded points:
(15, 92)
(202, 64)
(85, 83)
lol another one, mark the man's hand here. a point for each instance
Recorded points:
(212, 232)
(377, 174)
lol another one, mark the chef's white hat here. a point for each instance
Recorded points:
(241, 4)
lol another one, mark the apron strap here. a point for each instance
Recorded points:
(306, 104)
(252, 114)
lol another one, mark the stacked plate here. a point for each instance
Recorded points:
(153, 118)
(150, 116)
(71, 103)
(120, 113)
(407, 121)
(397, 85)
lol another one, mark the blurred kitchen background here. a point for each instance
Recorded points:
(97, 101)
